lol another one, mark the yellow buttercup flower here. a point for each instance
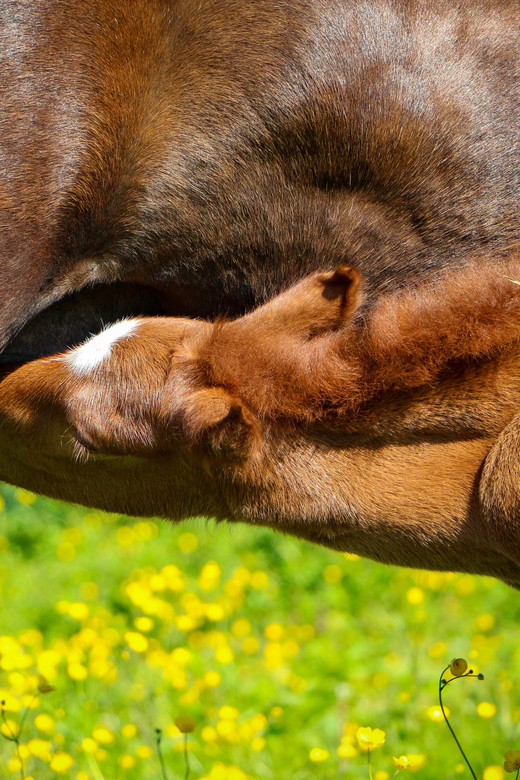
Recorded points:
(144, 752)
(127, 762)
(458, 667)
(401, 762)
(493, 773)
(410, 761)
(347, 750)
(512, 760)
(486, 709)
(44, 722)
(435, 713)
(370, 739)
(38, 747)
(103, 735)
(417, 760)
(318, 754)
(61, 762)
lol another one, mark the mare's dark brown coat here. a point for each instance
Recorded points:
(210, 153)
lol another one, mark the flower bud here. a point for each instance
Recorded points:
(185, 723)
(458, 667)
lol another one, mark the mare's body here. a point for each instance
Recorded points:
(214, 152)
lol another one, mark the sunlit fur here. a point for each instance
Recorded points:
(421, 469)
(411, 338)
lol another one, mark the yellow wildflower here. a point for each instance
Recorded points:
(224, 654)
(77, 671)
(9, 702)
(209, 734)
(259, 580)
(44, 722)
(415, 596)
(318, 754)
(38, 747)
(228, 712)
(187, 542)
(332, 574)
(14, 764)
(486, 710)
(144, 623)
(512, 760)
(241, 627)
(9, 728)
(458, 667)
(103, 735)
(258, 723)
(127, 762)
(61, 762)
(346, 750)
(144, 752)
(417, 760)
(409, 761)
(212, 679)
(78, 610)
(493, 773)
(136, 641)
(370, 739)
(274, 631)
(435, 713)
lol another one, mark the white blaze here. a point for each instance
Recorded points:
(90, 354)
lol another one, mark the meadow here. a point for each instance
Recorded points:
(112, 628)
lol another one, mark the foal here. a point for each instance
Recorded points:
(396, 439)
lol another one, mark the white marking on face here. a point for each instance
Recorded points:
(94, 351)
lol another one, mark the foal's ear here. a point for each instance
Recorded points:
(213, 417)
(324, 302)
(342, 289)
(317, 304)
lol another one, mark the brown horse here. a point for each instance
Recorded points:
(194, 158)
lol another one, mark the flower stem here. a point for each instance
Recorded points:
(159, 751)
(442, 684)
(14, 738)
(369, 760)
(187, 759)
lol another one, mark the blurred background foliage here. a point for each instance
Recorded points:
(278, 649)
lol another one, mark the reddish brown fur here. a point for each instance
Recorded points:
(422, 477)
(409, 340)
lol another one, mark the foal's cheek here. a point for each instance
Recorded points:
(32, 410)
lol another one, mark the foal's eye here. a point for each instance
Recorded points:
(82, 446)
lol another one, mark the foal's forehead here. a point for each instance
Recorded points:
(97, 349)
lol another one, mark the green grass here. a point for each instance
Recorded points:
(296, 642)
